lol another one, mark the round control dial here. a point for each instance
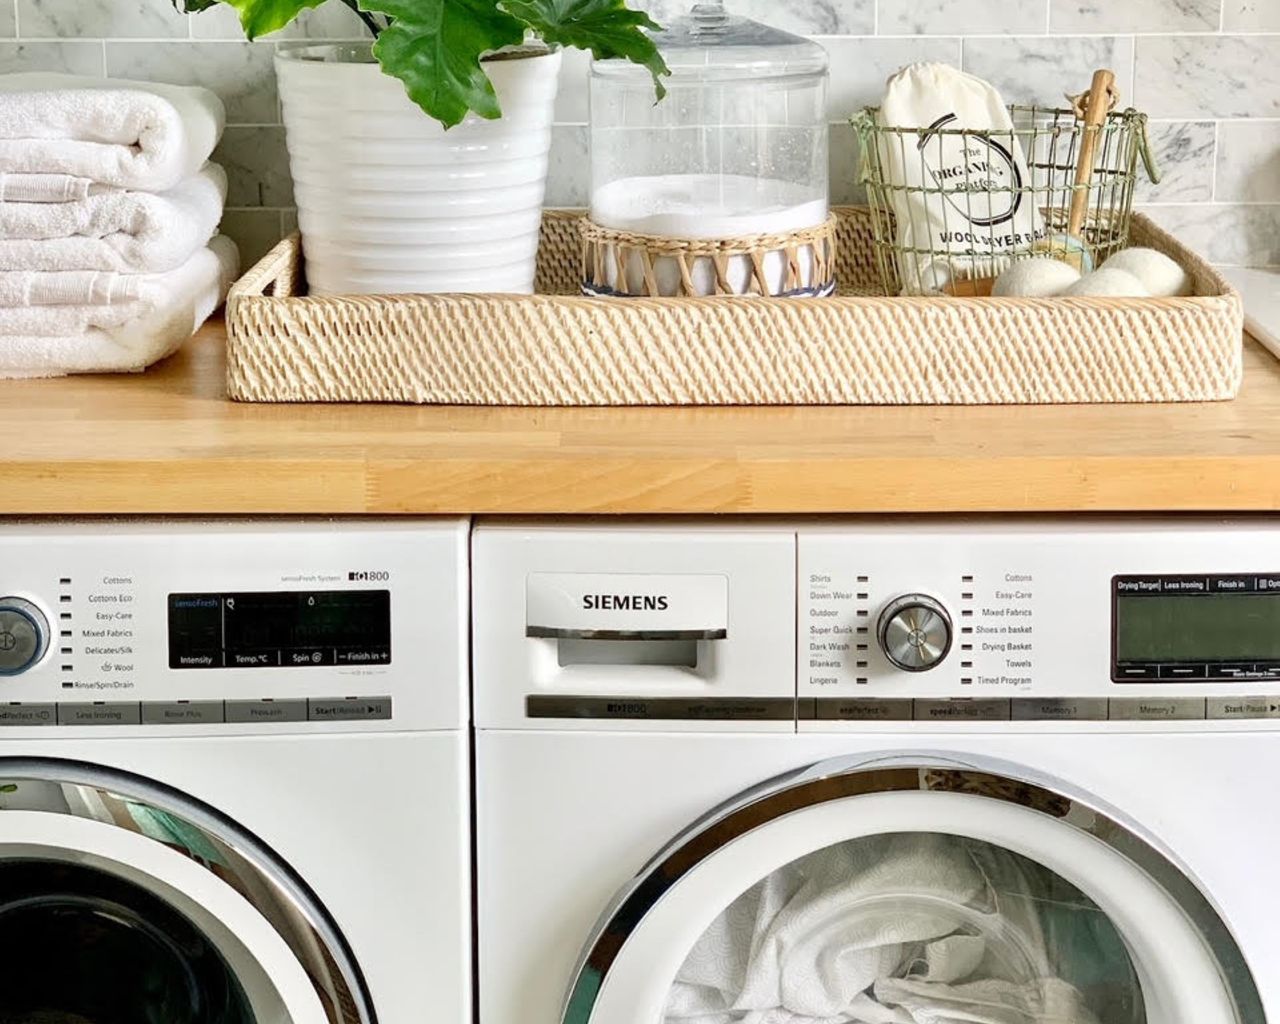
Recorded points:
(24, 635)
(915, 632)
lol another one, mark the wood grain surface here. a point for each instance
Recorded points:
(168, 441)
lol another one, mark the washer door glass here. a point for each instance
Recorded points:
(81, 946)
(920, 892)
(126, 902)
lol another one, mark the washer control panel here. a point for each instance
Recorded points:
(233, 625)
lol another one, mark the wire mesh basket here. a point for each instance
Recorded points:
(952, 207)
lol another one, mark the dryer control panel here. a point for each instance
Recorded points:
(233, 625)
(1136, 620)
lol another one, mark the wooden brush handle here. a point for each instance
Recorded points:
(1097, 103)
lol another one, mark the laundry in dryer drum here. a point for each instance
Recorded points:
(909, 928)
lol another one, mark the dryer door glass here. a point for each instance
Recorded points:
(912, 926)
(912, 893)
(81, 946)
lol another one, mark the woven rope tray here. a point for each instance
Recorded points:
(558, 348)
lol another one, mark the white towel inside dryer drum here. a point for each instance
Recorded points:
(899, 929)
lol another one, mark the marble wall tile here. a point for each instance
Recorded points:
(331, 20)
(241, 73)
(72, 58)
(811, 17)
(1251, 16)
(257, 165)
(860, 67)
(254, 231)
(962, 17)
(1030, 69)
(8, 23)
(846, 189)
(114, 19)
(571, 100)
(1208, 76)
(1184, 151)
(1134, 15)
(569, 179)
(1232, 235)
(1249, 161)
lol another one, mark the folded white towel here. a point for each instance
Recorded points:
(130, 232)
(134, 135)
(903, 929)
(50, 341)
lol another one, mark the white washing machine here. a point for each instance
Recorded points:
(234, 773)
(885, 770)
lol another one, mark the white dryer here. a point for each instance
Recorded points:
(234, 773)
(878, 770)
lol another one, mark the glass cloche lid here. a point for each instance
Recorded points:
(711, 43)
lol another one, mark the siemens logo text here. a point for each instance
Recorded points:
(625, 602)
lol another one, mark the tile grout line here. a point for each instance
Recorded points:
(1213, 167)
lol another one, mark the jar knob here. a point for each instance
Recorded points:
(709, 16)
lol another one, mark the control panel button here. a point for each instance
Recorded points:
(914, 632)
(302, 656)
(24, 635)
(1157, 709)
(1228, 709)
(246, 712)
(349, 709)
(114, 713)
(183, 712)
(862, 709)
(28, 714)
(1184, 671)
(960, 710)
(363, 655)
(1059, 709)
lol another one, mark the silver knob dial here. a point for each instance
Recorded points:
(914, 632)
(24, 635)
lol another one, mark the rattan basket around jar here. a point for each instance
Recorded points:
(794, 264)
(857, 347)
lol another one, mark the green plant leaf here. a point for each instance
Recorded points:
(434, 48)
(261, 17)
(608, 28)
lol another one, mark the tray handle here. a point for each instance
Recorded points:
(277, 274)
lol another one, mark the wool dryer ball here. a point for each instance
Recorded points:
(1159, 274)
(1036, 278)
(1109, 281)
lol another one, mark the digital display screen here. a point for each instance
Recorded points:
(1206, 628)
(280, 629)
(1217, 628)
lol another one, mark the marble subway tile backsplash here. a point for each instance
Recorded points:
(1207, 71)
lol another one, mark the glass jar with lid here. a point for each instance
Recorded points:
(737, 148)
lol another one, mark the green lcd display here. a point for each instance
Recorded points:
(1199, 628)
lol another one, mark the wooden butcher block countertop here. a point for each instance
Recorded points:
(169, 442)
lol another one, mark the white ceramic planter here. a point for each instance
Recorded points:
(388, 201)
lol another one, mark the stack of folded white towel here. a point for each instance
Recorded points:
(109, 210)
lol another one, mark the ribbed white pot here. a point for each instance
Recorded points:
(388, 201)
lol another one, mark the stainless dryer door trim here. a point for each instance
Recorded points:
(243, 862)
(845, 778)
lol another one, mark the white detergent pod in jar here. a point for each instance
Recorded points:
(736, 151)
